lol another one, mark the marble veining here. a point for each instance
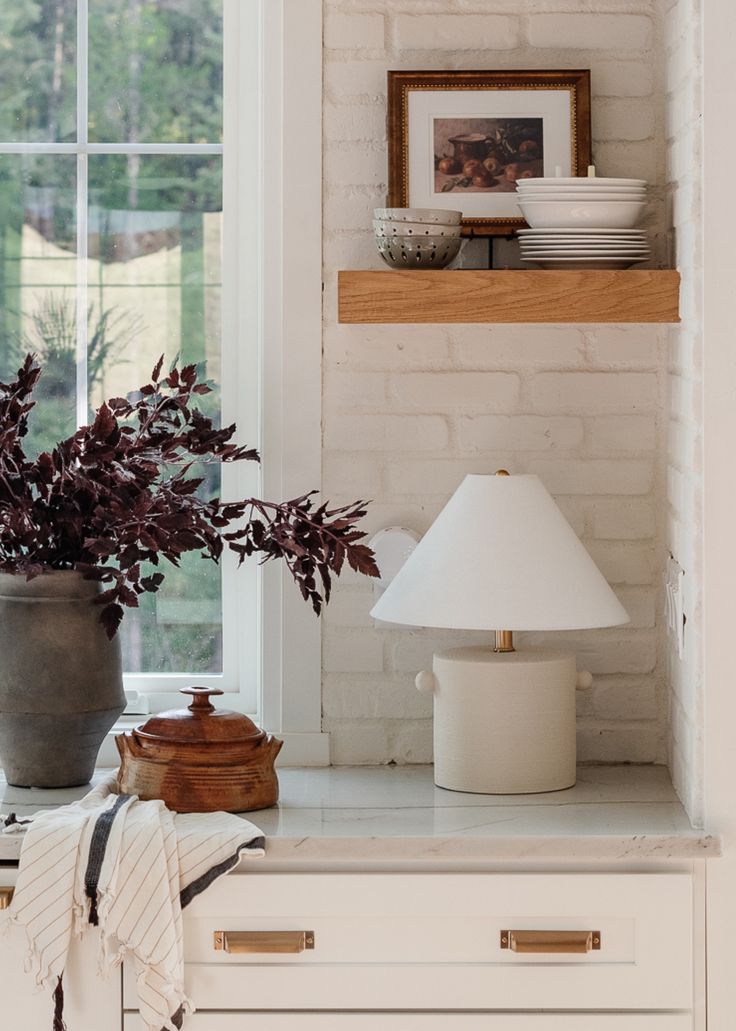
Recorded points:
(396, 813)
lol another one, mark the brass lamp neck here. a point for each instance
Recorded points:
(504, 641)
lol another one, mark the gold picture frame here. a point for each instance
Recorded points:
(523, 136)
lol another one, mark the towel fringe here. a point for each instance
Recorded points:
(93, 918)
(90, 892)
(59, 1024)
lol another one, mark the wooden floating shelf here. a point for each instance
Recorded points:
(429, 295)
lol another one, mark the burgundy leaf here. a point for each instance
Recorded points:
(153, 582)
(101, 547)
(127, 597)
(111, 617)
(120, 492)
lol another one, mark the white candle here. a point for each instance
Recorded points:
(591, 171)
(558, 171)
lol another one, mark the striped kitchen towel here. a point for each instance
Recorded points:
(128, 867)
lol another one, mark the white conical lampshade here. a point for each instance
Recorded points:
(500, 556)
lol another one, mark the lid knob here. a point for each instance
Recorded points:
(201, 704)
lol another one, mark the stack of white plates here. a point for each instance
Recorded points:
(583, 222)
(583, 248)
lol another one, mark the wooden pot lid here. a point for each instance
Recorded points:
(201, 723)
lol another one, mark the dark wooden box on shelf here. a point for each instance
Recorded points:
(419, 295)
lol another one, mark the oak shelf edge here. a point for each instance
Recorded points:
(508, 296)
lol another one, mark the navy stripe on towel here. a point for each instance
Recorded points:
(100, 836)
(197, 887)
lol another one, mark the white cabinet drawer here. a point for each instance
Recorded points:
(427, 1022)
(433, 941)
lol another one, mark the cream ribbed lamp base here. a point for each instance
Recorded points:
(503, 723)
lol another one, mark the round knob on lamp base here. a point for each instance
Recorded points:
(504, 723)
(584, 681)
(425, 682)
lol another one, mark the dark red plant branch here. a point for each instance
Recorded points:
(119, 494)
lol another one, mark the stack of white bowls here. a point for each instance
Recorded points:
(583, 222)
(417, 237)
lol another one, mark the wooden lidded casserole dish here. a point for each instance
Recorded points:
(200, 759)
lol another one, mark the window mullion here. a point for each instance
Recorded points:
(154, 148)
(82, 207)
(111, 148)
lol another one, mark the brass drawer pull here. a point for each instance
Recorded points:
(6, 897)
(263, 941)
(551, 941)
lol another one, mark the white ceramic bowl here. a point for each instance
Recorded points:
(586, 194)
(432, 215)
(419, 251)
(537, 198)
(387, 228)
(565, 214)
(592, 182)
(616, 191)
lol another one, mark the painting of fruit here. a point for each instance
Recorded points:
(482, 155)
(493, 164)
(472, 167)
(449, 166)
(483, 180)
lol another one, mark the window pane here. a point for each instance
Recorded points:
(154, 288)
(37, 73)
(38, 285)
(161, 81)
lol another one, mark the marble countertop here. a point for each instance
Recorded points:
(396, 814)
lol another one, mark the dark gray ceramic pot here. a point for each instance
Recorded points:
(61, 683)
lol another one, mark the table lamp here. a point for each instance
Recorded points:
(501, 557)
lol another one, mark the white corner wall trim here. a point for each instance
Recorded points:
(719, 427)
(291, 336)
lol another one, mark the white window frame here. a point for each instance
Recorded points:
(272, 308)
(291, 434)
(274, 269)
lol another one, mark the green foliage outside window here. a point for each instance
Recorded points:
(155, 72)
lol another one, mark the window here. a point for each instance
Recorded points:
(111, 200)
(127, 128)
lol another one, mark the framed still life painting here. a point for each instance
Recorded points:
(461, 139)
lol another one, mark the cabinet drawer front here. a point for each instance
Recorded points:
(433, 941)
(427, 1022)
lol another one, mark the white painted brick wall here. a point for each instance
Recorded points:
(625, 119)
(455, 391)
(683, 77)
(387, 433)
(353, 31)
(638, 82)
(409, 410)
(455, 32)
(591, 393)
(519, 433)
(623, 433)
(595, 31)
(623, 519)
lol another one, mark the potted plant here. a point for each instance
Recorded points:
(87, 528)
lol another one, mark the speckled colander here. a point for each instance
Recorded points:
(418, 251)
